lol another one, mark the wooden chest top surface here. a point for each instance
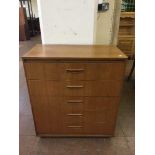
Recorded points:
(71, 52)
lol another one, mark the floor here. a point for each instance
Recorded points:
(122, 144)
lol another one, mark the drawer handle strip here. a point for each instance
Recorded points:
(75, 114)
(74, 70)
(75, 101)
(74, 126)
(74, 86)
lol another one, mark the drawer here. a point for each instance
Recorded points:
(73, 105)
(104, 71)
(47, 114)
(34, 70)
(103, 88)
(125, 30)
(73, 124)
(126, 45)
(127, 22)
(83, 88)
(64, 71)
(74, 71)
(107, 104)
(73, 120)
(37, 87)
(98, 122)
(72, 130)
(52, 71)
(101, 110)
(74, 88)
(54, 88)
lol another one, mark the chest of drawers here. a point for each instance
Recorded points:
(74, 90)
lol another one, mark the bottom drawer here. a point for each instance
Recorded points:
(75, 115)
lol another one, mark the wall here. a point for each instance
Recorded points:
(116, 21)
(67, 22)
(104, 25)
(35, 7)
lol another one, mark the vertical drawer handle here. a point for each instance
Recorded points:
(74, 114)
(75, 101)
(74, 126)
(74, 70)
(80, 86)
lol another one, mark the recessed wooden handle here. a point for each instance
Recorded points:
(74, 126)
(75, 114)
(75, 101)
(73, 86)
(75, 70)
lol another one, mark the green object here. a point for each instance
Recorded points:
(128, 5)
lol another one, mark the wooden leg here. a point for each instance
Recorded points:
(132, 69)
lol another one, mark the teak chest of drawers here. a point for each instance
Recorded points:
(74, 89)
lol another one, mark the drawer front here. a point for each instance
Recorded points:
(104, 71)
(74, 115)
(74, 88)
(103, 88)
(72, 129)
(46, 111)
(74, 98)
(101, 103)
(100, 114)
(52, 71)
(127, 22)
(83, 88)
(54, 88)
(34, 70)
(75, 71)
(37, 87)
(73, 105)
(125, 45)
(125, 30)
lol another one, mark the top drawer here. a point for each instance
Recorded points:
(75, 70)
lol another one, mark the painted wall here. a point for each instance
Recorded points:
(104, 25)
(67, 22)
(35, 7)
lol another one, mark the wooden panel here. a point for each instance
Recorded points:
(40, 109)
(74, 97)
(124, 30)
(105, 71)
(127, 22)
(73, 120)
(75, 52)
(103, 88)
(37, 87)
(126, 38)
(54, 88)
(83, 88)
(74, 71)
(45, 111)
(100, 103)
(34, 70)
(100, 114)
(53, 71)
(126, 44)
(73, 105)
(72, 130)
(55, 114)
(74, 88)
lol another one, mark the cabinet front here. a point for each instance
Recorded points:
(74, 98)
